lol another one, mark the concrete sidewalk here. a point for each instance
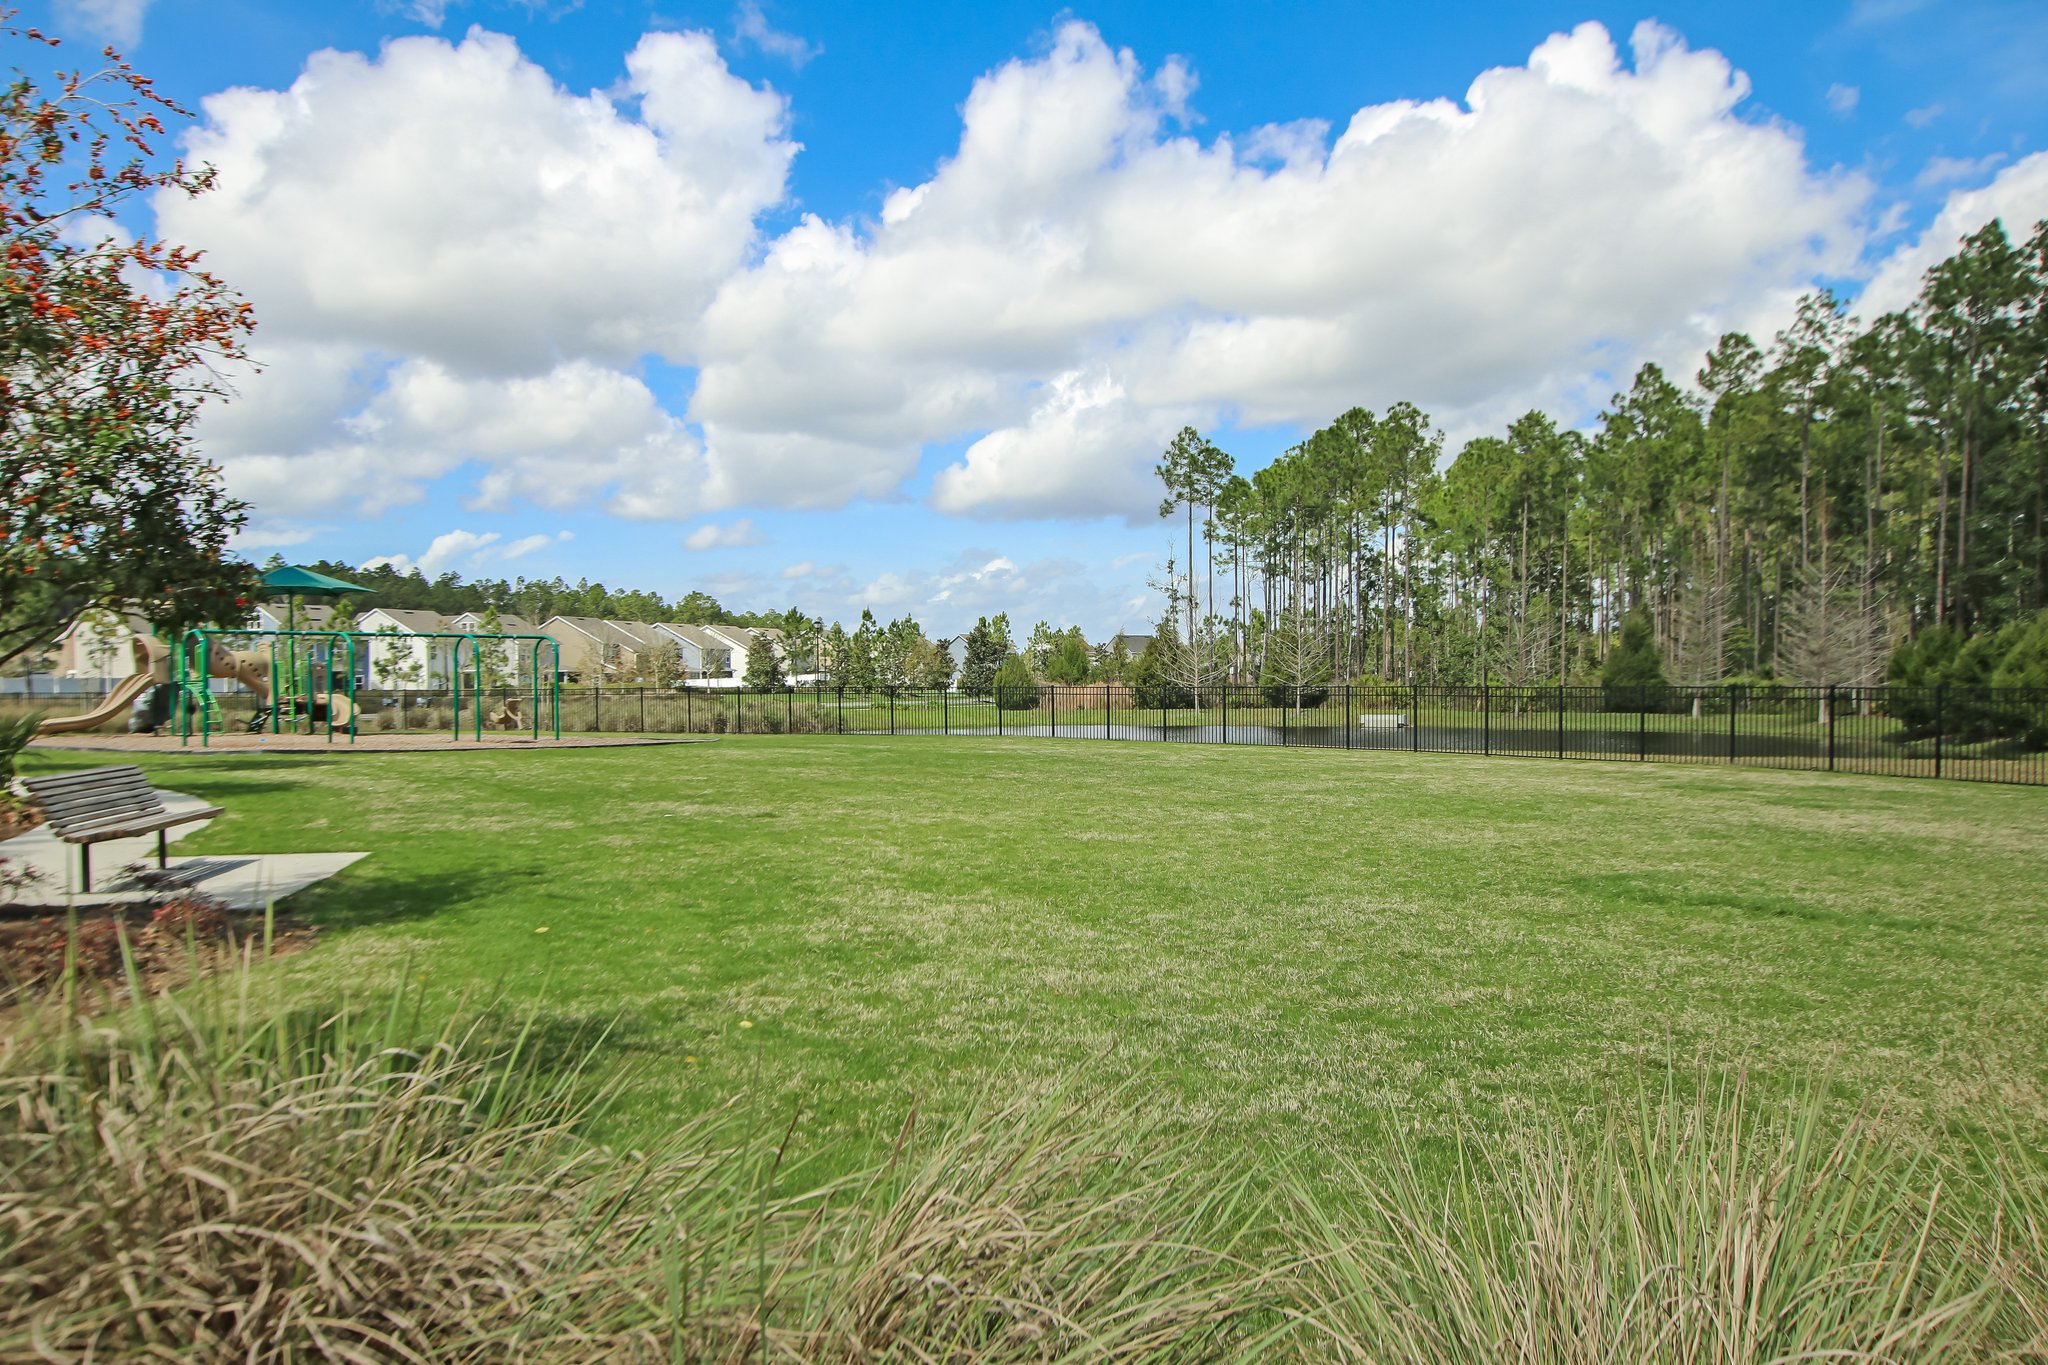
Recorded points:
(242, 881)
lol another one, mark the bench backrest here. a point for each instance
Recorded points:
(97, 798)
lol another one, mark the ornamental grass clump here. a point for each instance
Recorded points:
(239, 1180)
(1686, 1230)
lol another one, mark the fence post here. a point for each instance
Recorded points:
(1831, 727)
(892, 711)
(1414, 718)
(945, 712)
(643, 708)
(1283, 721)
(1486, 720)
(997, 692)
(1560, 720)
(596, 715)
(841, 708)
(689, 710)
(1226, 713)
(1105, 711)
(1939, 688)
(1642, 722)
(789, 711)
(1734, 705)
(1054, 709)
(738, 721)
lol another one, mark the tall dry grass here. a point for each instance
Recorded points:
(224, 1175)
(1687, 1230)
(242, 1180)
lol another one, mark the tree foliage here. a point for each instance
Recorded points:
(1015, 688)
(1634, 671)
(1807, 503)
(988, 645)
(764, 668)
(106, 353)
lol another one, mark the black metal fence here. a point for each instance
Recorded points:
(1988, 735)
(1985, 735)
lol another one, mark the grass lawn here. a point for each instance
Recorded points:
(1288, 947)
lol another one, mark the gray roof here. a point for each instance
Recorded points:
(418, 622)
(635, 634)
(697, 636)
(507, 623)
(309, 615)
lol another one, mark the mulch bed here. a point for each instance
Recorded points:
(174, 941)
(18, 819)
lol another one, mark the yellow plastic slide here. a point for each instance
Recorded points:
(117, 703)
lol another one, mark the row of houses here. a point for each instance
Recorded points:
(415, 649)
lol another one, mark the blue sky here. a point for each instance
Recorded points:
(894, 305)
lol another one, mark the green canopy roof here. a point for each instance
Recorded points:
(294, 579)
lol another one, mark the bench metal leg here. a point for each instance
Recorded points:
(85, 869)
(163, 859)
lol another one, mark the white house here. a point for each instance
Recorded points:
(396, 655)
(743, 640)
(513, 659)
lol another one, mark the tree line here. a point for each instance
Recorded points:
(1803, 510)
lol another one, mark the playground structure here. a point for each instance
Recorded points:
(150, 694)
(314, 683)
(304, 682)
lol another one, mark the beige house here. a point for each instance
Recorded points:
(597, 650)
(94, 648)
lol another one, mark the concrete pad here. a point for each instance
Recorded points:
(243, 881)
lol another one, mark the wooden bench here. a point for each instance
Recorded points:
(98, 804)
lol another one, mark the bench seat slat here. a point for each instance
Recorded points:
(85, 809)
(141, 821)
(99, 804)
(104, 833)
(95, 780)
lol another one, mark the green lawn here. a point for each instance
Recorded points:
(1284, 946)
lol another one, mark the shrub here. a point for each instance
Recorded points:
(1015, 688)
(1301, 697)
(1153, 687)
(1634, 668)
(15, 733)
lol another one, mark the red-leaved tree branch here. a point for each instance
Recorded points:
(108, 347)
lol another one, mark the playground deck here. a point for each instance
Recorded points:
(435, 743)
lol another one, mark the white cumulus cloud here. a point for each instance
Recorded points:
(2018, 196)
(1081, 276)
(117, 21)
(715, 537)
(463, 266)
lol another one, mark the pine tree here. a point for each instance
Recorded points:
(1068, 663)
(764, 668)
(985, 654)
